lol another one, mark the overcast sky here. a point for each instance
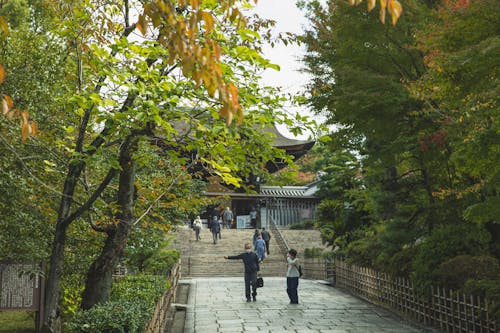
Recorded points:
(288, 19)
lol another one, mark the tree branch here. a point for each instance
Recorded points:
(77, 213)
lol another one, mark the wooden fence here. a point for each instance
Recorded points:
(318, 269)
(450, 311)
(163, 312)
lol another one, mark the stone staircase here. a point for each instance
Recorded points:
(302, 239)
(205, 259)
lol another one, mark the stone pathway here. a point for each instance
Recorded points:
(219, 305)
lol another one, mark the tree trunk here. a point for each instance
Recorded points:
(53, 288)
(100, 275)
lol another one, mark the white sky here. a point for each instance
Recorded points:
(288, 19)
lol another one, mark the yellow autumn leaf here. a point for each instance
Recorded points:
(234, 94)
(2, 74)
(141, 25)
(25, 116)
(4, 27)
(382, 15)
(34, 128)
(5, 107)
(395, 9)
(229, 118)
(25, 131)
(209, 20)
(371, 4)
(9, 101)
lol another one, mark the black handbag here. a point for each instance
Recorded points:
(260, 282)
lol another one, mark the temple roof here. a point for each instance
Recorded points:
(299, 192)
(281, 141)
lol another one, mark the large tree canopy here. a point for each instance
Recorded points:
(416, 153)
(135, 101)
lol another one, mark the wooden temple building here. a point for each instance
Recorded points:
(284, 205)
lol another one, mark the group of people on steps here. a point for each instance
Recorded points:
(253, 257)
(251, 263)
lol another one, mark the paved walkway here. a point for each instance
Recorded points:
(219, 305)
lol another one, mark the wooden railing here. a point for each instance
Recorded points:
(163, 312)
(448, 310)
(278, 236)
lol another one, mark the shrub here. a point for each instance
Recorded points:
(489, 289)
(161, 262)
(444, 243)
(129, 309)
(401, 263)
(303, 225)
(455, 272)
(363, 252)
(314, 252)
(124, 316)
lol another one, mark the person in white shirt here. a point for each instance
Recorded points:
(197, 227)
(292, 276)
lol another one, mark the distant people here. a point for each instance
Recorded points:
(227, 218)
(253, 217)
(220, 227)
(292, 276)
(256, 234)
(215, 228)
(251, 263)
(197, 227)
(260, 248)
(266, 236)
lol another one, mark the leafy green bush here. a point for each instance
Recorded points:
(444, 243)
(489, 289)
(161, 262)
(401, 263)
(128, 316)
(315, 252)
(303, 225)
(148, 287)
(129, 309)
(363, 252)
(455, 272)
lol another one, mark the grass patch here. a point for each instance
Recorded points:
(17, 322)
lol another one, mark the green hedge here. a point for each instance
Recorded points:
(129, 309)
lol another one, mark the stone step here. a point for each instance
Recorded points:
(204, 259)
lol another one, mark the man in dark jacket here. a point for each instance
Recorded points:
(251, 263)
(215, 228)
(266, 236)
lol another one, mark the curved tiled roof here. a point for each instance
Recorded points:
(289, 191)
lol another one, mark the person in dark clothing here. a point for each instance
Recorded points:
(251, 263)
(215, 228)
(266, 236)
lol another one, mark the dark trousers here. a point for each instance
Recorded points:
(215, 236)
(292, 283)
(250, 281)
(267, 246)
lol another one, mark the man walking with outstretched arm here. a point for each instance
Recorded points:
(251, 263)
